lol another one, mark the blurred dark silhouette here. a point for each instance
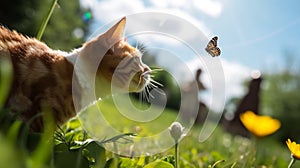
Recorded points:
(189, 109)
(198, 80)
(203, 110)
(249, 102)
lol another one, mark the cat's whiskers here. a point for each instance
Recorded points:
(155, 82)
(147, 94)
(137, 45)
(140, 47)
(155, 85)
(144, 95)
(152, 85)
(144, 92)
(157, 89)
(156, 70)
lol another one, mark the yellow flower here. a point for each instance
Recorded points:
(259, 126)
(294, 148)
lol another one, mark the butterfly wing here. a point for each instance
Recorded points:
(215, 52)
(215, 40)
(212, 43)
(212, 48)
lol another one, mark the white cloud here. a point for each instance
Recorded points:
(210, 7)
(174, 24)
(105, 11)
(169, 3)
(234, 73)
(186, 26)
(183, 25)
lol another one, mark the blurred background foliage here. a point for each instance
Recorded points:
(281, 99)
(66, 28)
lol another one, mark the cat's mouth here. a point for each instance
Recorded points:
(139, 81)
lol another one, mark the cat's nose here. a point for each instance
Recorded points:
(146, 71)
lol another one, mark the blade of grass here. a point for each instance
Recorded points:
(43, 151)
(12, 135)
(45, 21)
(5, 78)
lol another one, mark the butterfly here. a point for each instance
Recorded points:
(212, 48)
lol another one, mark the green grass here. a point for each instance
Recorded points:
(125, 124)
(220, 146)
(235, 150)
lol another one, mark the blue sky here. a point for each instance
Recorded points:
(256, 33)
(253, 34)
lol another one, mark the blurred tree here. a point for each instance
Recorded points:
(20, 15)
(281, 99)
(171, 89)
(66, 28)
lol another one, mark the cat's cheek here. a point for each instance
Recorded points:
(125, 85)
(137, 86)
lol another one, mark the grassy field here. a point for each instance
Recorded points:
(71, 146)
(236, 151)
(221, 148)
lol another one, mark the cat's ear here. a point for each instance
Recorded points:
(105, 41)
(115, 33)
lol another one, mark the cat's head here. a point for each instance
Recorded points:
(121, 64)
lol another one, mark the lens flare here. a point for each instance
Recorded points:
(87, 16)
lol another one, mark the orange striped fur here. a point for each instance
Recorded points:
(43, 77)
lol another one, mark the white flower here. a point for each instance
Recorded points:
(176, 131)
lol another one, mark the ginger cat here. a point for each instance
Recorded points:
(43, 77)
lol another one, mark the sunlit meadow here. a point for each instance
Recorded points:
(71, 146)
